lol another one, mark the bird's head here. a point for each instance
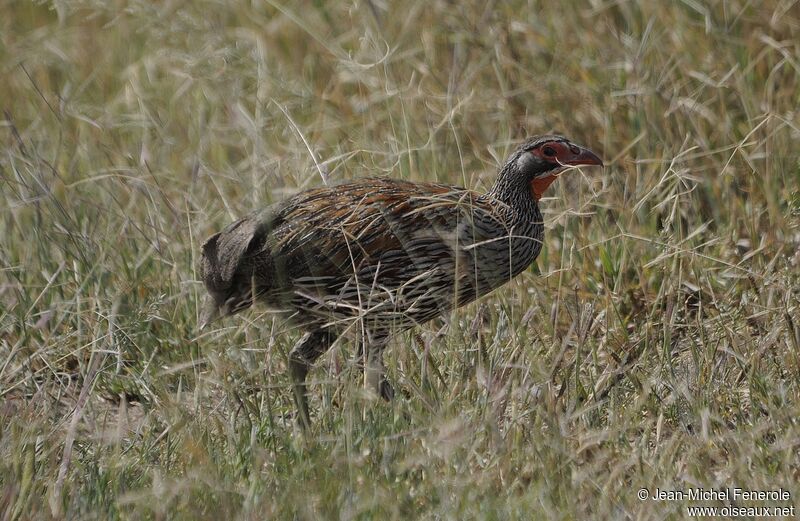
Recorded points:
(540, 160)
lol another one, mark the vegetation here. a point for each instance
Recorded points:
(655, 343)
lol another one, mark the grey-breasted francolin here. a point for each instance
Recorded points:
(375, 256)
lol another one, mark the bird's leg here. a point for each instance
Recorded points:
(374, 377)
(386, 389)
(301, 358)
(373, 369)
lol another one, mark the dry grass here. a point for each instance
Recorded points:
(655, 343)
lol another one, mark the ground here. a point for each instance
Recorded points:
(654, 344)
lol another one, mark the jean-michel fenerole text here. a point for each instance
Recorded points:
(720, 494)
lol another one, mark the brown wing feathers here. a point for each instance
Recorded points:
(326, 236)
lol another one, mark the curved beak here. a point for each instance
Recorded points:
(584, 156)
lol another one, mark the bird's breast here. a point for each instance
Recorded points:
(493, 253)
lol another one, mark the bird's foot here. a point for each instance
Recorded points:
(386, 390)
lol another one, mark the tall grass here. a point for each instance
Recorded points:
(655, 342)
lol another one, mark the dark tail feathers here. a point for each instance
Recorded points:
(221, 269)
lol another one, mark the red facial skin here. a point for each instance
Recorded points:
(540, 184)
(560, 153)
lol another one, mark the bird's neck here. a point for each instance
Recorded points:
(512, 189)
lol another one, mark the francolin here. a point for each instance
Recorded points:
(375, 256)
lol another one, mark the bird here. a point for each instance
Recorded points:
(374, 256)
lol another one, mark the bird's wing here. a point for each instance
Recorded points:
(399, 228)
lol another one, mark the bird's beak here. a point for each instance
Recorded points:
(583, 157)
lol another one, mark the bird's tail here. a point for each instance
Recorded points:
(211, 311)
(227, 266)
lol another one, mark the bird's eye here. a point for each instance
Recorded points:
(549, 151)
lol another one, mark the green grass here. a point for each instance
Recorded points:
(655, 342)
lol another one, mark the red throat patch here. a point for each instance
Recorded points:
(540, 184)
